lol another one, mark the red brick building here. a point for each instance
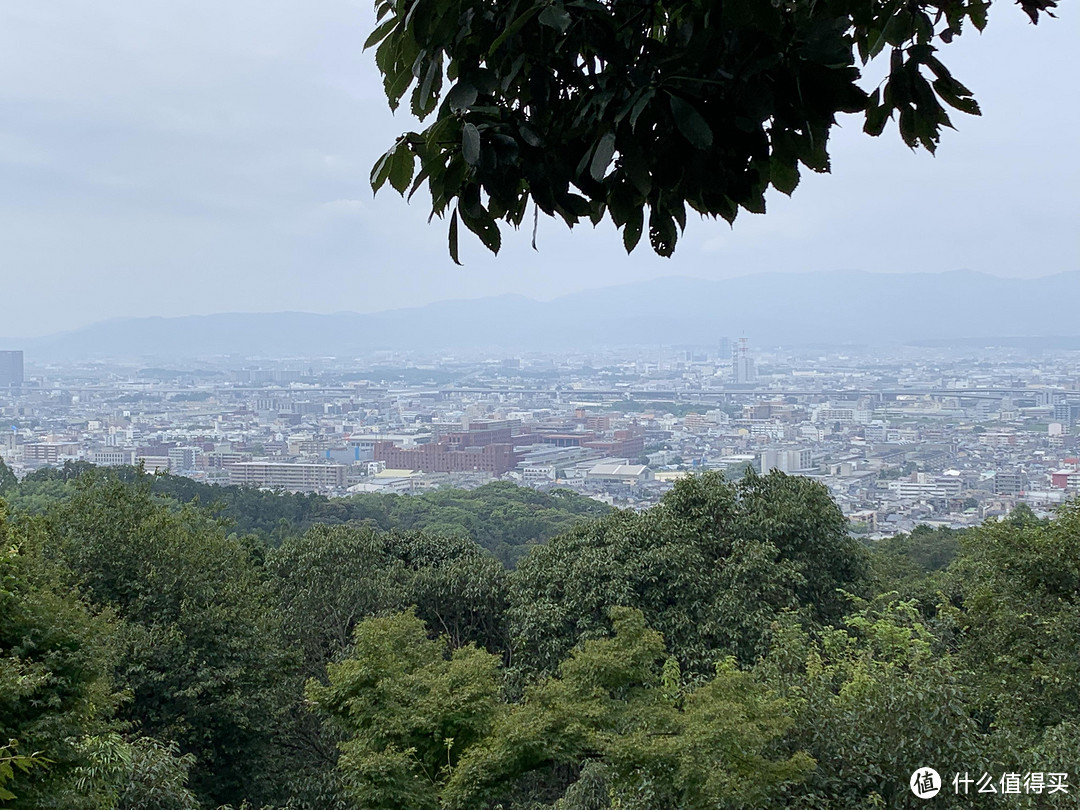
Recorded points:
(626, 444)
(446, 457)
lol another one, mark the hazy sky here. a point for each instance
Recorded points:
(207, 156)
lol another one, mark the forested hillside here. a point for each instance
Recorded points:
(505, 519)
(732, 647)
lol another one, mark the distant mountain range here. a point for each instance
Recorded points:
(771, 309)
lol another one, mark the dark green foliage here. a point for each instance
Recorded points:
(913, 565)
(1018, 622)
(925, 550)
(505, 519)
(156, 778)
(711, 568)
(8, 481)
(200, 650)
(150, 661)
(54, 671)
(335, 576)
(70, 471)
(642, 111)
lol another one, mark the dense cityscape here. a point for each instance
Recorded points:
(544, 405)
(900, 437)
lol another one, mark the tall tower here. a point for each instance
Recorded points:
(11, 369)
(742, 365)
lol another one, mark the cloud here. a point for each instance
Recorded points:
(172, 158)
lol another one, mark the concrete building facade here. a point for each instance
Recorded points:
(11, 369)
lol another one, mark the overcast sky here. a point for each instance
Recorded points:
(208, 156)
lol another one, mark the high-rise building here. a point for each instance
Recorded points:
(742, 364)
(1065, 412)
(11, 369)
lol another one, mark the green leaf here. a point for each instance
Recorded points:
(396, 84)
(453, 236)
(677, 210)
(380, 33)
(754, 203)
(421, 176)
(381, 170)
(483, 226)
(727, 209)
(601, 158)
(876, 115)
(401, 168)
(977, 12)
(530, 137)
(462, 95)
(640, 105)
(636, 168)
(813, 152)
(957, 99)
(662, 232)
(631, 234)
(512, 29)
(907, 126)
(576, 205)
(784, 175)
(426, 95)
(939, 69)
(691, 124)
(555, 17)
(470, 144)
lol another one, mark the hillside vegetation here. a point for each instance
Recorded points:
(505, 519)
(732, 647)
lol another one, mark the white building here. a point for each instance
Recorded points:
(787, 461)
(112, 457)
(292, 477)
(620, 473)
(923, 486)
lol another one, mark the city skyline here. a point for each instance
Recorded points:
(899, 437)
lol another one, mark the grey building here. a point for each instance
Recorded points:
(11, 369)
(1009, 482)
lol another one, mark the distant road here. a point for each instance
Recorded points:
(672, 395)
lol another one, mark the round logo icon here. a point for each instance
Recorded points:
(925, 783)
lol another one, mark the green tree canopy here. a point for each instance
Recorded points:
(200, 642)
(873, 697)
(8, 481)
(55, 685)
(335, 576)
(642, 109)
(1018, 623)
(426, 727)
(711, 567)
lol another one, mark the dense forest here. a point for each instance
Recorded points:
(504, 518)
(170, 646)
